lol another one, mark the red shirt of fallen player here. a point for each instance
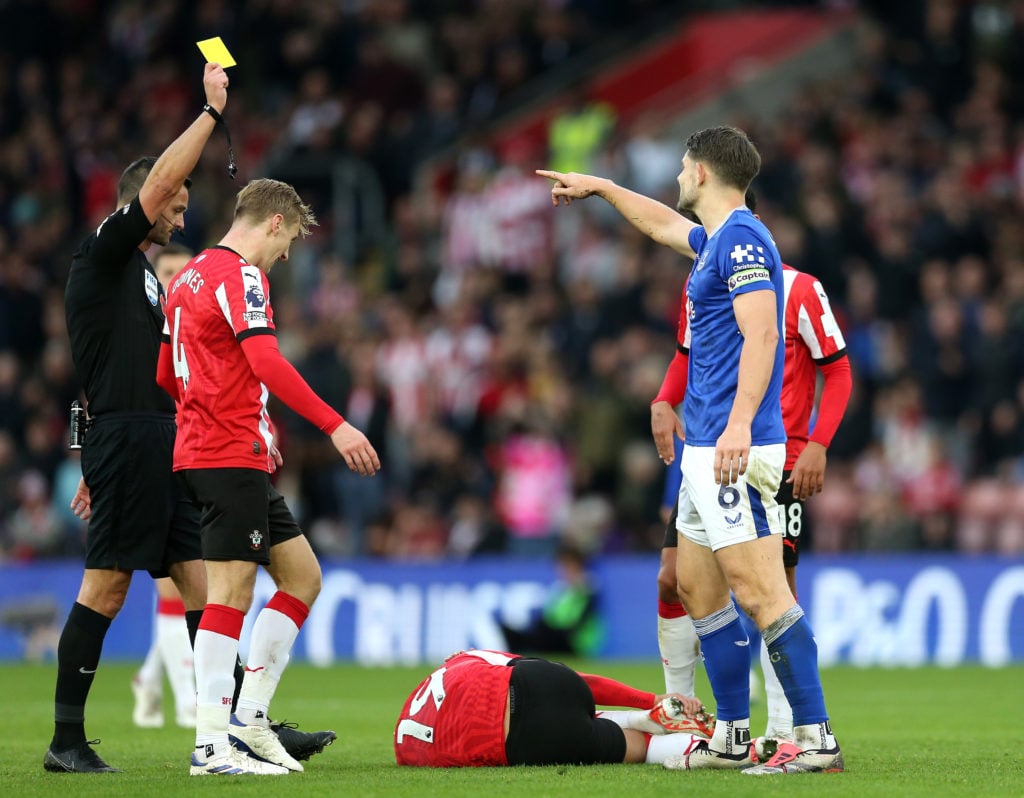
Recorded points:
(459, 715)
(456, 717)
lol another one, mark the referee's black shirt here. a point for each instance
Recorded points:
(114, 309)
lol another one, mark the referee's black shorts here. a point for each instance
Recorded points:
(140, 519)
(552, 719)
(242, 514)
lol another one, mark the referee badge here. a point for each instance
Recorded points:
(256, 539)
(152, 287)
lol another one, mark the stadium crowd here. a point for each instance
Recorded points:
(500, 357)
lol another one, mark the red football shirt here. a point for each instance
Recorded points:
(813, 339)
(456, 716)
(218, 300)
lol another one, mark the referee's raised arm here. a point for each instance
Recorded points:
(173, 167)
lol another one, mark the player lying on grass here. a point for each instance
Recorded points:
(488, 708)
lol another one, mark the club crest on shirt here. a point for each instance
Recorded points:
(152, 287)
(256, 540)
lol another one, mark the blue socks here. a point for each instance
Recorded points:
(725, 648)
(794, 655)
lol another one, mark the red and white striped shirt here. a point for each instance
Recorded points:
(218, 300)
(219, 360)
(813, 339)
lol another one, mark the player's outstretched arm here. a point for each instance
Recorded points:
(652, 218)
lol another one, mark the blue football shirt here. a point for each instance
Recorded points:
(740, 257)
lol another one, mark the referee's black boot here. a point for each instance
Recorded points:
(78, 758)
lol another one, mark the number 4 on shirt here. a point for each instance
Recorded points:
(178, 352)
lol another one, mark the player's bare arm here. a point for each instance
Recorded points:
(276, 459)
(353, 445)
(664, 424)
(808, 474)
(169, 172)
(692, 705)
(756, 317)
(655, 220)
(81, 502)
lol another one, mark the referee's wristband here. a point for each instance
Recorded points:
(232, 168)
(214, 113)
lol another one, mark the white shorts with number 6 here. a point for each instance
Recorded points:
(717, 516)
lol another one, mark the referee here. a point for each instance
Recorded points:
(114, 307)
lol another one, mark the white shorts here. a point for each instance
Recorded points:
(717, 516)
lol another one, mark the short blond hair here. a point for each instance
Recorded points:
(263, 198)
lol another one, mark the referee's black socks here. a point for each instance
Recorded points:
(78, 657)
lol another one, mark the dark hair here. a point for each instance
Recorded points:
(132, 178)
(173, 248)
(729, 153)
(750, 200)
(567, 552)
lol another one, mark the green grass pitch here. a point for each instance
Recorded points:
(924, 732)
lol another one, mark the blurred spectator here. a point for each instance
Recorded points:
(517, 205)
(651, 158)
(570, 621)
(992, 517)
(12, 411)
(366, 406)
(34, 531)
(534, 486)
(65, 483)
(316, 114)
(10, 469)
(474, 529)
(578, 133)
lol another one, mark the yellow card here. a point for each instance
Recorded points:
(215, 51)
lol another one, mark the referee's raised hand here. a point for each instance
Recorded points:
(215, 81)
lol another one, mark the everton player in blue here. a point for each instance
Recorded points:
(730, 530)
